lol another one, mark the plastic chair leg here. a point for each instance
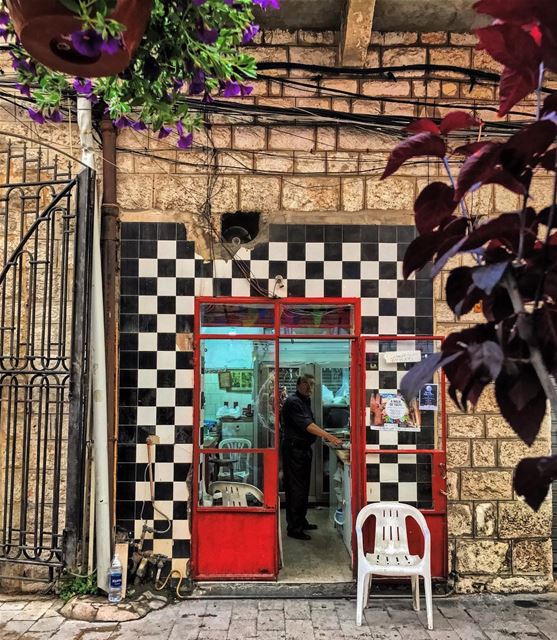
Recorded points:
(416, 592)
(368, 588)
(428, 601)
(361, 597)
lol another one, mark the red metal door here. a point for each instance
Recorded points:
(405, 462)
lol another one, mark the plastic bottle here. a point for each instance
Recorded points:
(115, 580)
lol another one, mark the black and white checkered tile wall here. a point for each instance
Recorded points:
(160, 277)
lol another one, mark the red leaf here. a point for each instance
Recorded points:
(458, 120)
(434, 204)
(423, 144)
(477, 168)
(472, 147)
(522, 149)
(514, 86)
(520, 11)
(420, 251)
(505, 179)
(510, 45)
(421, 125)
(547, 161)
(549, 47)
(549, 104)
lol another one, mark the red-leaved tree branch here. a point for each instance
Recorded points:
(514, 272)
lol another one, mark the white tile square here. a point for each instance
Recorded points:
(407, 491)
(315, 288)
(183, 416)
(185, 305)
(223, 268)
(388, 251)
(166, 397)
(148, 267)
(146, 379)
(388, 288)
(146, 416)
(147, 305)
(183, 452)
(184, 380)
(369, 270)
(162, 545)
(164, 471)
(296, 270)
(387, 325)
(141, 453)
(315, 251)
(166, 286)
(166, 249)
(406, 307)
(388, 472)
(243, 253)
(166, 433)
(240, 287)
(204, 286)
(260, 269)
(351, 251)
(166, 323)
(332, 270)
(180, 489)
(278, 251)
(181, 528)
(351, 288)
(373, 494)
(388, 437)
(166, 360)
(370, 306)
(147, 341)
(185, 267)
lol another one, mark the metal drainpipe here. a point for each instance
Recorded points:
(110, 219)
(103, 531)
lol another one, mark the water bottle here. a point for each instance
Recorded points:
(115, 580)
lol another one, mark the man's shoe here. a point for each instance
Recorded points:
(309, 527)
(299, 535)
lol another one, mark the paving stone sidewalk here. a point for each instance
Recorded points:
(525, 617)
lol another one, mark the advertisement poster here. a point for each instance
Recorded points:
(389, 412)
(429, 398)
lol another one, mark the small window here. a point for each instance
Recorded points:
(321, 319)
(234, 319)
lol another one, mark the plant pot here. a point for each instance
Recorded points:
(45, 27)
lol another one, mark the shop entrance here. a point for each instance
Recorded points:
(238, 528)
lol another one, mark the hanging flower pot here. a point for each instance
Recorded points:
(54, 36)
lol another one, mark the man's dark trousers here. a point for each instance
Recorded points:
(296, 468)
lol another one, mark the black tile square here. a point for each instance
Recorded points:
(296, 288)
(181, 548)
(129, 268)
(166, 230)
(387, 307)
(164, 453)
(389, 491)
(369, 288)
(277, 268)
(143, 432)
(129, 230)
(129, 322)
(221, 287)
(128, 359)
(166, 268)
(332, 288)
(184, 323)
(125, 491)
(406, 288)
(147, 249)
(148, 231)
(333, 233)
(181, 232)
(296, 233)
(278, 233)
(166, 378)
(129, 286)
(333, 251)
(128, 378)
(407, 472)
(128, 397)
(369, 233)
(424, 307)
(147, 323)
(180, 510)
(184, 360)
(164, 490)
(401, 248)
(257, 286)
(370, 325)
(146, 397)
(351, 233)
(166, 341)
(185, 286)
(147, 360)
(314, 270)
(129, 249)
(147, 286)
(206, 269)
(185, 250)
(315, 233)
(260, 251)
(181, 470)
(370, 251)
(165, 415)
(126, 453)
(184, 397)
(406, 325)
(372, 472)
(350, 270)
(405, 234)
(424, 289)
(296, 251)
(125, 472)
(424, 326)
(387, 233)
(166, 304)
(129, 304)
(183, 434)
(144, 511)
(387, 270)
(127, 416)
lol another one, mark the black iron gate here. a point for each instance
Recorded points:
(45, 240)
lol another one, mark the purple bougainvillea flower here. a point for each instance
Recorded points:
(137, 125)
(4, 33)
(231, 89)
(56, 116)
(207, 98)
(177, 84)
(122, 122)
(197, 84)
(36, 116)
(4, 18)
(112, 45)
(24, 89)
(208, 36)
(250, 33)
(20, 64)
(184, 142)
(266, 4)
(83, 86)
(245, 89)
(89, 42)
(164, 132)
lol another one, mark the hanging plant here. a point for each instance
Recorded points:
(190, 47)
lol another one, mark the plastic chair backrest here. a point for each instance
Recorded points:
(390, 527)
(235, 494)
(242, 461)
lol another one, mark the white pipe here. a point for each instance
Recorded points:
(98, 367)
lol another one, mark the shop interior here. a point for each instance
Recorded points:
(238, 411)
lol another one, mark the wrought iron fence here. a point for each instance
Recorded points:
(45, 238)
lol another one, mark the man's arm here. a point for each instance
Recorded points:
(321, 433)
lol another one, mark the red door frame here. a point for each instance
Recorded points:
(436, 517)
(209, 522)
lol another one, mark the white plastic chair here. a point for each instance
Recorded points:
(391, 556)
(235, 494)
(240, 462)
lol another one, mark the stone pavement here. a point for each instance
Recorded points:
(482, 617)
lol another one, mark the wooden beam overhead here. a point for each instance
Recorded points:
(356, 31)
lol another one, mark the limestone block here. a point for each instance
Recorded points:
(314, 103)
(268, 54)
(259, 193)
(399, 37)
(342, 162)
(459, 519)
(458, 453)
(237, 162)
(449, 89)
(532, 556)
(360, 140)
(292, 138)
(280, 162)
(189, 193)
(521, 584)
(311, 194)
(490, 485)
(449, 55)
(309, 163)
(421, 89)
(464, 39)
(498, 427)
(483, 453)
(372, 59)
(135, 192)
(511, 451)
(398, 56)
(482, 60)
(279, 36)
(316, 37)
(465, 426)
(326, 138)
(541, 192)
(485, 515)
(340, 84)
(487, 402)
(506, 200)
(477, 93)
(453, 485)
(434, 37)
(277, 102)
(392, 194)
(353, 192)
(249, 138)
(518, 520)
(312, 55)
(394, 88)
(482, 556)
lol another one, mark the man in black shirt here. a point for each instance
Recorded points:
(299, 432)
